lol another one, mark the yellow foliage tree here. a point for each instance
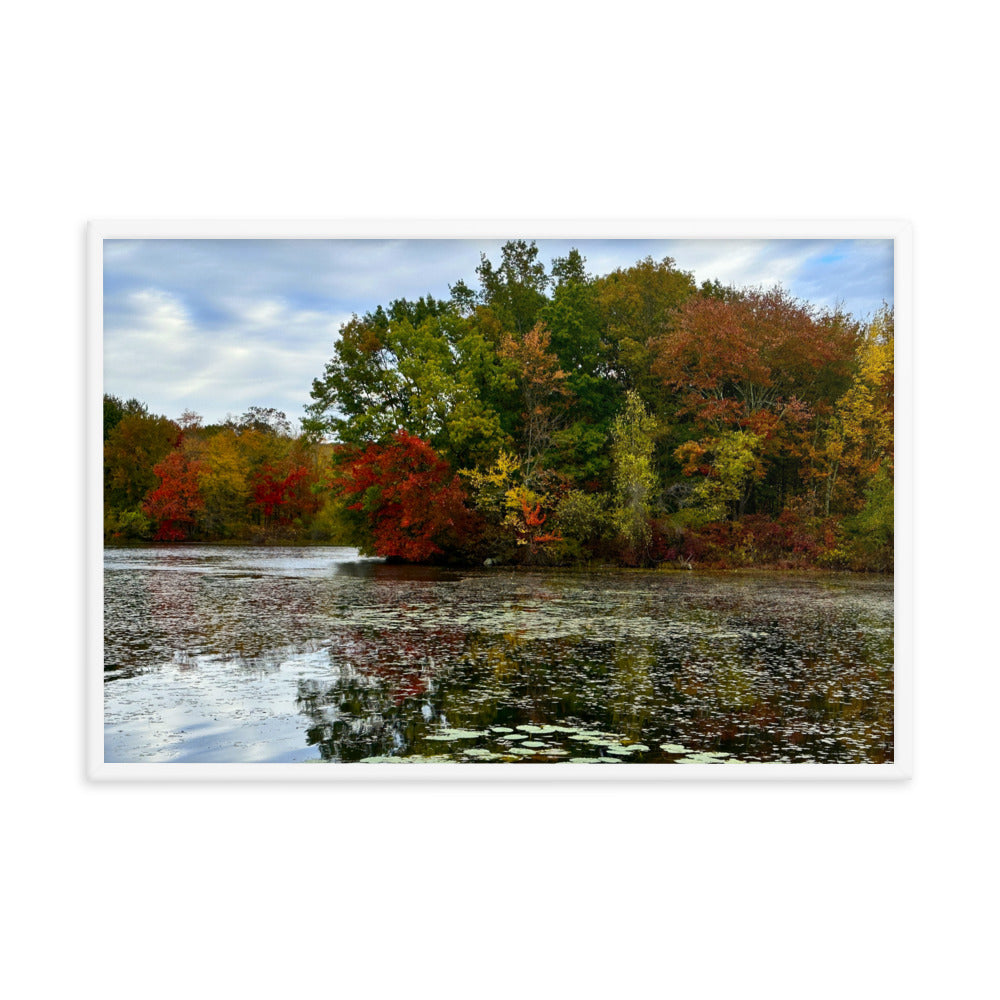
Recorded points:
(859, 439)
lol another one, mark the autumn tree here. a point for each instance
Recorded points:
(542, 387)
(134, 446)
(282, 494)
(175, 503)
(728, 465)
(115, 411)
(639, 304)
(760, 362)
(742, 361)
(223, 481)
(528, 517)
(859, 438)
(254, 476)
(408, 500)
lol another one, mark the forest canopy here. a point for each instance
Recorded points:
(549, 415)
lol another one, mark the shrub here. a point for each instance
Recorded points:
(583, 521)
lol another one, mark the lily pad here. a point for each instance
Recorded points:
(447, 735)
(673, 748)
(620, 750)
(432, 759)
(514, 736)
(501, 729)
(534, 743)
(537, 730)
(523, 751)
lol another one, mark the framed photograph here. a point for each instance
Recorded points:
(496, 500)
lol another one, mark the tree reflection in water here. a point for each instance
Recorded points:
(401, 662)
(392, 700)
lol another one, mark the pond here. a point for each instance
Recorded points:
(224, 655)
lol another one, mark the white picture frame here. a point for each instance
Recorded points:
(900, 232)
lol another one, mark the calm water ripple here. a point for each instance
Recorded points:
(298, 654)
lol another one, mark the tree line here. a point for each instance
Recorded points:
(550, 416)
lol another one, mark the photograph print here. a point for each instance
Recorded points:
(493, 506)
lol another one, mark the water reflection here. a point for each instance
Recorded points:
(375, 569)
(274, 650)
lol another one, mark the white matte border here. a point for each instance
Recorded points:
(899, 232)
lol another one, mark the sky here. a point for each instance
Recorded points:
(219, 325)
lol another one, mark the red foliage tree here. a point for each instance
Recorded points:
(281, 498)
(413, 504)
(174, 504)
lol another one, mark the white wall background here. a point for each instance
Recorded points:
(306, 110)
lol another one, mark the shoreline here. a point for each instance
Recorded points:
(579, 567)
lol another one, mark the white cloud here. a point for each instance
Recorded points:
(265, 352)
(159, 313)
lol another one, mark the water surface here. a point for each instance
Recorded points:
(312, 654)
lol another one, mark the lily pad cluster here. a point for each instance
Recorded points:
(555, 743)
(548, 743)
(686, 756)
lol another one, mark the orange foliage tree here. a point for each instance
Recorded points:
(762, 363)
(744, 360)
(542, 384)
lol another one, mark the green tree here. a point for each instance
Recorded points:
(266, 420)
(419, 368)
(582, 520)
(634, 477)
(730, 465)
(573, 318)
(638, 304)
(115, 411)
(515, 290)
(872, 530)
